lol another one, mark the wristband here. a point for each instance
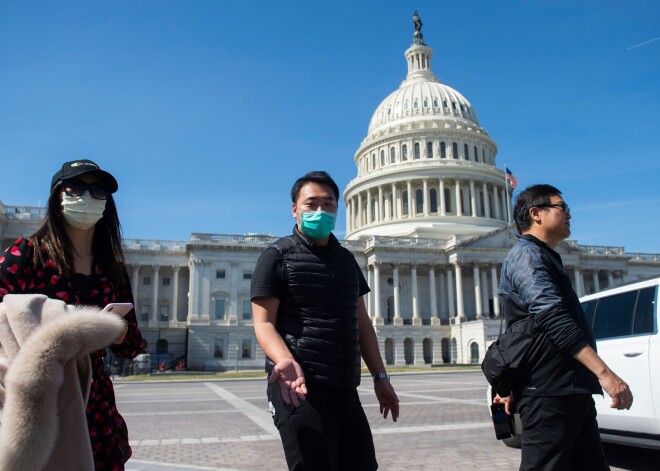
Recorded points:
(378, 376)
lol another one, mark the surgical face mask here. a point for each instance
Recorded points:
(317, 224)
(82, 212)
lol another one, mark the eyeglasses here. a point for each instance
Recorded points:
(563, 206)
(77, 188)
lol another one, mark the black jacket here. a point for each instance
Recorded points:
(318, 312)
(534, 282)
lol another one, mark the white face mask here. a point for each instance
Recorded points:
(82, 212)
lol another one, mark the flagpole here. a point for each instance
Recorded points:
(508, 195)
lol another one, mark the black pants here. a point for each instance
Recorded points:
(560, 433)
(328, 432)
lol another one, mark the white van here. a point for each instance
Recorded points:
(625, 322)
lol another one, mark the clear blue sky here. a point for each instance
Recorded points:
(207, 111)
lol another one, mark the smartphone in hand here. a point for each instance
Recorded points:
(121, 309)
(501, 421)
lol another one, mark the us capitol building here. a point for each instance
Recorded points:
(428, 220)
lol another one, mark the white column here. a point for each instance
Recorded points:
(495, 286)
(443, 295)
(595, 281)
(450, 294)
(578, 282)
(206, 291)
(359, 219)
(610, 279)
(154, 295)
(369, 207)
(484, 290)
(369, 298)
(441, 190)
(411, 209)
(233, 294)
(425, 183)
(435, 318)
(457, 190)
(460, 310)
(136, 285)
(395, 284)
(396, 202)
(477, 291)
(380, 203)
(473, 199)
(378, 316)
(415, 298)
(496, 203)
(193, 300)
(348, 216)
(486, 201)
(175, 294)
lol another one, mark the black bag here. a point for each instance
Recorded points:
(506, 363)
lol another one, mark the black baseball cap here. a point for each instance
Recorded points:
(75, 168)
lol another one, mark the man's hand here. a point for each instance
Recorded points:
(292, 381)
(387, 398)
(507, 401)
(617, 389)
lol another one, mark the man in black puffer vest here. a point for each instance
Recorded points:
(311, 321)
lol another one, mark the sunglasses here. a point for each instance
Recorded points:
(77, 188)
(562, 206)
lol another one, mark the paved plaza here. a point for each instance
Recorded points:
(225, 425)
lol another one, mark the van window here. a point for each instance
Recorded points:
(644, 312)
(614, 315)
(589, 309)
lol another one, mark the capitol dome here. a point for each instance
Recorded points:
(426, 167)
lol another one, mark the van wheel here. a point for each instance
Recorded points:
(512, 442)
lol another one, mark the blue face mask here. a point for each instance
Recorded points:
(317, 224)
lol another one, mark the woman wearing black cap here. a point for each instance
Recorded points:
(77, 256)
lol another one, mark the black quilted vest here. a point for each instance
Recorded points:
(318, 314)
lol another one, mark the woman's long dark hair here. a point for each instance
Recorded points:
(52, 240)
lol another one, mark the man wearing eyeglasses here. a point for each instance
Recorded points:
(558, 414)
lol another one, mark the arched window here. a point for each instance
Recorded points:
(164, 314)
(447, 200)
(382, 158)
(427, 350)
(483, 155)
(389, 351)
(426, 102)
(466, 151)
(409, 351)
(219, 310)
(435, 103)
(373, 161)
(162, 346)
(417, 151)
(476, 154)
(433, 199)
(474, 352)
(429, 150)
(443, 150)
(444, 347)
(392, 155)
(404, 152)
(419, 201)
(404, 197)
(454, 150)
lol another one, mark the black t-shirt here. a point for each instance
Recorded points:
(269, 276)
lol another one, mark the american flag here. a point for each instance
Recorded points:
(511, 178)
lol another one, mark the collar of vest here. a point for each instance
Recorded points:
(311, 243)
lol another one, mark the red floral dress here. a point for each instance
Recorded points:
(19, 275)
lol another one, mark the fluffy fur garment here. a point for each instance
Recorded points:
(45, 375)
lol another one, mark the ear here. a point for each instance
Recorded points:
(294, 211)
(535, 215)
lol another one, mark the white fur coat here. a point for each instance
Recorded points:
(45, 376)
